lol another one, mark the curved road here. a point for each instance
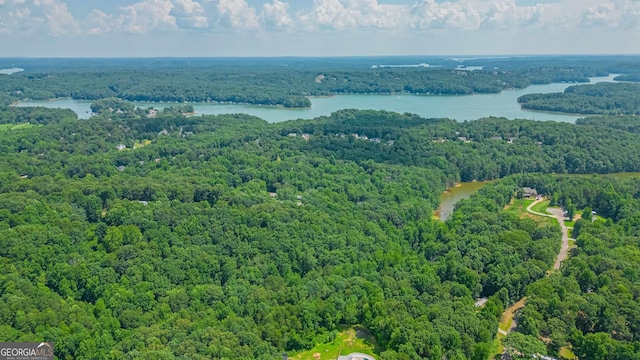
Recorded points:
(559, 215)
(562, 256)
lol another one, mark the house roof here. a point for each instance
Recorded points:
(356, 356)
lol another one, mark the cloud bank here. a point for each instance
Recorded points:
(317, 27)
(53, 18)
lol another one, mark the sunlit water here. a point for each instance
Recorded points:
(458, 107)
(450, 198)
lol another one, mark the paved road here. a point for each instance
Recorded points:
(558, 214)
(564, 250)
(562, 256)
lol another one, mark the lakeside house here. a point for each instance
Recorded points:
(530, 192)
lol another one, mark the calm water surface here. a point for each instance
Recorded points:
(10, 71)
(459, 107)
(450, 198)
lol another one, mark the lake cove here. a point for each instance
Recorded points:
(451, 196)
(458, 107)
(10, 71)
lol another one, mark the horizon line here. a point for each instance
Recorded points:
(326, 57)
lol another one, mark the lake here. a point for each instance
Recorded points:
(450, 198)
(458, 107)
(10, 71)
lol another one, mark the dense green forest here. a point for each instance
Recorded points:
(600, 98)
(592, 303)
(271, 83)
(628, 77)
(127, 236)
(627, 123)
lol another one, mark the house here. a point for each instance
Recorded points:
(152, 114)
(356, 356)
(511, 140)
(306, 136)
(529, 192)
(121, 147)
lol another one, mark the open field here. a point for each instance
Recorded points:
(541, 207)
(356, 339)
(12, 127)
(566, 353)
(519, 208)
(141, 144)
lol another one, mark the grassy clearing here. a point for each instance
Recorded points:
(578, 216)
(497, 346)
(349, 341)
(566, 353)
(12, 127)
(141, 144)
(506, 324)
(541, 207)
(518, 207)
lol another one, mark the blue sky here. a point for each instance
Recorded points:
(116, 28)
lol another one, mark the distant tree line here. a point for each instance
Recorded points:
(266, 85)
(600, 98)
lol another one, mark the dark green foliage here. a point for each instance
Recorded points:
(227, 238)
(628, 77)
(591, 304)
(600, 98)
(111, 105)
(35, 115)
(626, 123)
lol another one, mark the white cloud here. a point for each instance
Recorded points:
(459, 15)
(506, 14)
(98, 23)
(145, 16)
(50, 17)
(349, 14)
(622, 14)
(47, 18)
(189, 14)
(59, 19)
(238, 14)
(276, 15)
